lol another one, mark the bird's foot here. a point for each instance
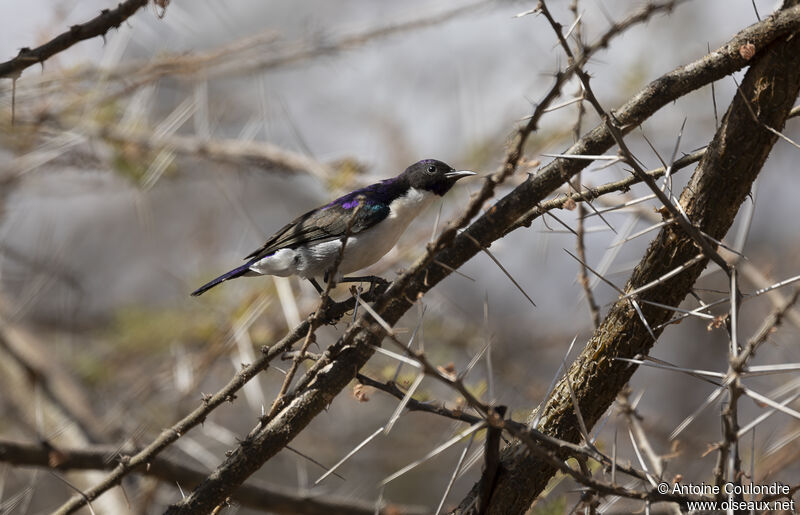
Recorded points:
(376, 284)
(373, 280)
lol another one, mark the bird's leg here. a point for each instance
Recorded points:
(316, 285)
(321, 292)
(373, 280)
(326, 277)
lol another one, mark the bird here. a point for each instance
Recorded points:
(377, 215)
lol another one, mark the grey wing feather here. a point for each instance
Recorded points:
(320, 225)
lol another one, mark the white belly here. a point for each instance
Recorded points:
(363, 249)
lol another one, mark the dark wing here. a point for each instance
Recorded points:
(323, 224)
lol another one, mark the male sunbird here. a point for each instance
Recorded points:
(309, 245)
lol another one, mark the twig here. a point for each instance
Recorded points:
(316, 318)
(354, 348)
(414, 405)
(97, 26)
(736, 151)
(580, 246)
(226, 394)
(767, 328)
(615, 132)
(296, 52)
(257, 496)
(262, 154)
(535, 439)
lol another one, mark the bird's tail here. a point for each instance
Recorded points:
(236, 272)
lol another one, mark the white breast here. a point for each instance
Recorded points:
(363, 249)
(367, 247)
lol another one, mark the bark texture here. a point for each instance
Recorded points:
(718, 187)
(621, 335)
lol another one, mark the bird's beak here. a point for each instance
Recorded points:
(458, 174)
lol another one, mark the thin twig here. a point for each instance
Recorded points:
(253, 495)
(97, 26)
(316, 318)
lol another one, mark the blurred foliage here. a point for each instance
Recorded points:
(140, 329)
(92, 368)
(129, 163)
(557, 506)
(346, 174)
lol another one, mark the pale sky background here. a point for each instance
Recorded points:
(433, 92)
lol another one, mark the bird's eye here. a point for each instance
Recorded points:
(431, 169)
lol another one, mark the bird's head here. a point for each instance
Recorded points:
(434, 176)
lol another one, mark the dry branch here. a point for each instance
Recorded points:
(253, 153)
(97, 26)
(226, 394)
(711, 200)
(342, 360)
(261, 497)
(24, 351)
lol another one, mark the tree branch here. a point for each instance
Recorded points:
(261, 497)
(342, 360)
(97, 26)
(711, 200)
(226, 394)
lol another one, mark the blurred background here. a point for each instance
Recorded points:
(143, 164)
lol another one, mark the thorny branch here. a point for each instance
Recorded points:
(259, 497)
(226, 394)
(580, 246)
(734, 158)
(355, 347)
(414, 405)
(316, 318)
(97, 26)
(248, 56)
(547, 447)
(339, 363)
(613, 128)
